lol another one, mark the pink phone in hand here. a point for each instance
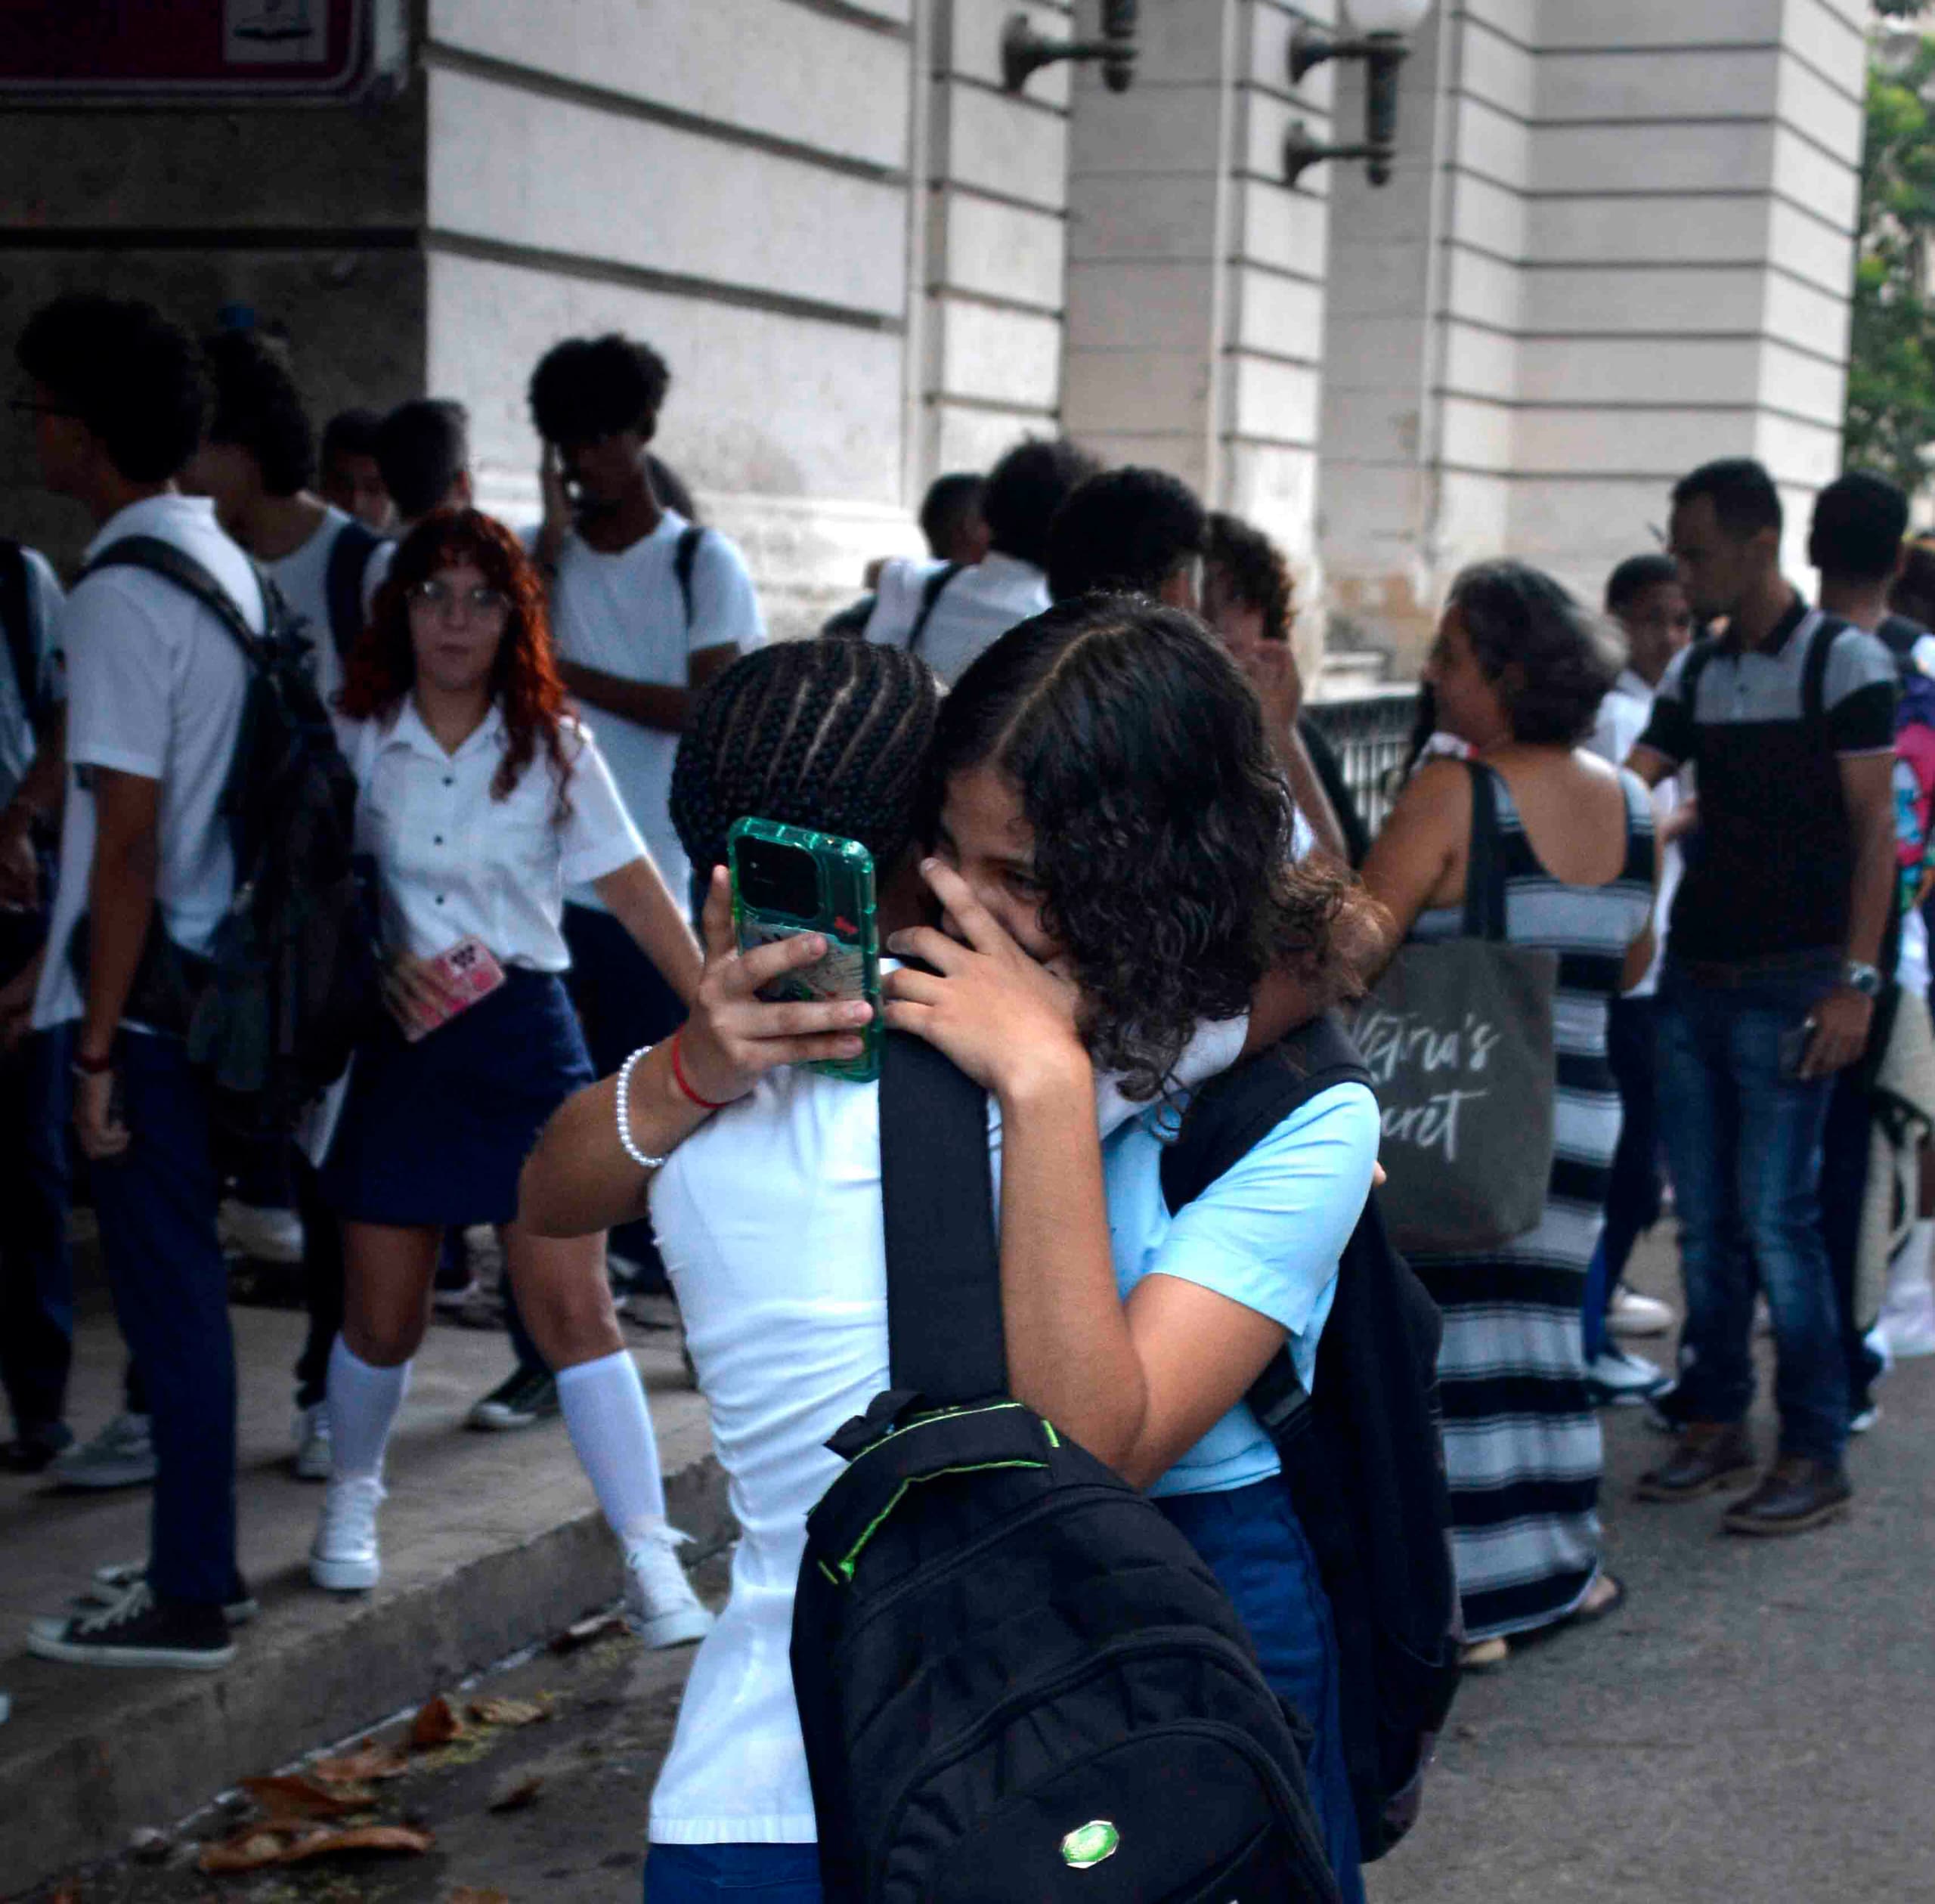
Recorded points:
(465, 972)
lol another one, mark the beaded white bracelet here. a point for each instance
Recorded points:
(624, 1107)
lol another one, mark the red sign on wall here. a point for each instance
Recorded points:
(211, 49)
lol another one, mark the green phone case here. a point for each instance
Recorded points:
(845, 916)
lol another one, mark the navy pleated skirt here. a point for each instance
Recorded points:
(436, 1132)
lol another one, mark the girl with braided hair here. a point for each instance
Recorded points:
(768, 1213)
(479, 798)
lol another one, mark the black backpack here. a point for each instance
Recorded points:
(350, 555)
(1363, 1456)
(1016, 1679)
(17, 625)
(851, 622)
(272, 1014)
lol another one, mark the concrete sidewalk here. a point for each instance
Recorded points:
(491, 1543)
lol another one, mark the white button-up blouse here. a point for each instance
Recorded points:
(453, 861)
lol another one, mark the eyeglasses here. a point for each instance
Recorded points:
(439, 598)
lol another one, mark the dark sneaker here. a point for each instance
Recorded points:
(121, 1455)
(1668, 1411)
(112, 1581)
(33, 1449)
(1797, 1494)
(525, 1397)
(136, 1630)
(1709, 1455)
(1616, 1378)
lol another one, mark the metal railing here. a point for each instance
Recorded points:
(1370, 735)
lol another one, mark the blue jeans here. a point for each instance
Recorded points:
(1632, 1191)
(156, 1205)
(1743, 1140)
(1248, 1537)
(36, 1268)
(696, 1874)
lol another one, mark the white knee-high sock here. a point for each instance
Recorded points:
(364, 1402)
(611, 1428)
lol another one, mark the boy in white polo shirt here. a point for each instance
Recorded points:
(646, 608)
(156, 689)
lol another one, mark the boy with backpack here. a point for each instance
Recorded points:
(157, 688)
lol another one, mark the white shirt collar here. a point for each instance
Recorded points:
(1001, 571)
(406, 730)
(151, 513)
(1633, 683)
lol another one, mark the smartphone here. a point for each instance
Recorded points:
(467, 972)
(788, 880)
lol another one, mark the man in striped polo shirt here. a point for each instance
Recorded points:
(1787, 718)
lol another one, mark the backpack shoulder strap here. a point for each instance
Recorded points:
(943, 1269)
(1484, 870)
(16, 623)
(176, 566)
(342, 586)
(931, 591)
(685, 559)
(1826, 631)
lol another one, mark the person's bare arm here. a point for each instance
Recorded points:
(120, 907)
(580, 1179)
(637, 898)
(1650, 764)
(1307, 790)
(1843, 1018)
(1416, 859)
(649, 703)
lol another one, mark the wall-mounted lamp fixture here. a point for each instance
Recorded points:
(1382, 25)
(1024, 51)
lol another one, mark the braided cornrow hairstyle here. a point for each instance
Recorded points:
(830, 734)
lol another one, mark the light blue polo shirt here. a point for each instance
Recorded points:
(1267, 1233)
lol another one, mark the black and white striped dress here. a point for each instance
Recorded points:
(1521, 1439)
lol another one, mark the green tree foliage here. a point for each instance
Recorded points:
(1891, 371)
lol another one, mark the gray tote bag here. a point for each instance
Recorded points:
(1458, 1037)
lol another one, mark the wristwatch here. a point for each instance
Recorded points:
(1865, 979)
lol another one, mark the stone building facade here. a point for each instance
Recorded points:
(1619, 239)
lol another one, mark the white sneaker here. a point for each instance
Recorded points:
(264, 1235)
(343, 1557)
(660, 1605)
(1618, 1378)
(313, 1454)
(1908, 1322)
(121, 1455)
(1631, 1313)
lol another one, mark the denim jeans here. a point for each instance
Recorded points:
(36, 1269)
(1743, 1140)
(156, 1206)
(762, 1873)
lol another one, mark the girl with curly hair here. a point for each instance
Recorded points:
(481, 800)
(1108, 810)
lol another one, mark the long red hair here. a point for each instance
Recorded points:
(382, 667)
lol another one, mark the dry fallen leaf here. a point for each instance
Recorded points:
(466, 1894)
(436, 1725)
(299, 1795)
(369, 1760)
(288, 1841)
(66, 1894)
(517, 1796)
(508, 1712)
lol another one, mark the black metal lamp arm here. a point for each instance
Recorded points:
(1024, 51)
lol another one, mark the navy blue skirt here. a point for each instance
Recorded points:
(436, 1132)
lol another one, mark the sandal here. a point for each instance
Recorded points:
(1486, 1655)
(1589, 1610)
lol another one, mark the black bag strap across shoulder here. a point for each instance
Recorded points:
(350, 556)
(175, 565)
(685, 559)
(1485, 871)
(17, 625)
(943, 1267)
(931, 591)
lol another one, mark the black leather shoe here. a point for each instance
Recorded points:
(1798, 1492)
(1707, 1456)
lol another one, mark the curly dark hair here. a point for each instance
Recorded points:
(134, 378)
(1551, 659)
(586, 388)
(1162, 825)
(1913, 594)
(1125, 531)
(1025, 489)
(259, 408)
(381, 666)
(832, 735)
(1254, 570)
(422, 447)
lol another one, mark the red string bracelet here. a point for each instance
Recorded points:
(685, 1084)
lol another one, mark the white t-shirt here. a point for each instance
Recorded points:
(1621, 720)
(784, 1298)
(974, 610)
(18, 740)
(624, 615)
(453, 861)
(304, 580)
(155, 687)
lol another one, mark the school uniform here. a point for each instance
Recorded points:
(435, 1132)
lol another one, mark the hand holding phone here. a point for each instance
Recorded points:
(425, 993)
